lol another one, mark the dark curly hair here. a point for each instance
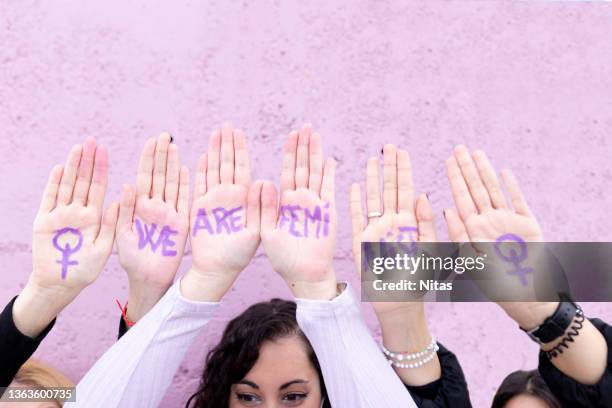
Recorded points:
(238, 351)
(524, 383)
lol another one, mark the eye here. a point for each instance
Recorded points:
(293, 399)
(249, 400)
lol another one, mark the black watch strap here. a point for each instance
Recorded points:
(555, 325)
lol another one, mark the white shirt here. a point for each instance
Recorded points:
(137, 370)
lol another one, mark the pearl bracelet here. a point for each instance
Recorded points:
(432, 346)
(416, 364)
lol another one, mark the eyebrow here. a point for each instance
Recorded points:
(282, 387)
(249, 383)
(298, 381)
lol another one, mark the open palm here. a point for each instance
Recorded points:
(481, 205)
(153, 221)
(71, 241)
(299, 236)
(399, 218)
(226, 210)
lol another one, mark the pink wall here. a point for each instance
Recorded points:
(531, 83)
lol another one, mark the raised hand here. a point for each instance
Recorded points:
(225, 216)
(484, 215)
(481, 204)
(299, 237)
(153, 224)
(72, 239)
(400, 218)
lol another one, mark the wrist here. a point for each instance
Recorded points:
(37, 306)
(201, 286)
(319, 290)
(142, 298)
(405, 329)
(529, 315)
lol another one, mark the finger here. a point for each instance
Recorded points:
(226, 171)
(461, 195)
(315, 178)
(456, 228)
(242, 169)
(66, 187)
(172, 176)
(302, 160)
(144, 178)
(425, 220)
(328, 190)
(99, 180)
(106, 236)
(159, 169)
(373, 204)
(287, 180)
(491, 183)
(516, 195)
(214, 157)
(269, 207)
(50, 195)
(84, 172)
(479, 193)
(253, 213)
(405, 186)
(126, 209)
(200, 183)
(389, 179)
(182, 205)
(356, 209)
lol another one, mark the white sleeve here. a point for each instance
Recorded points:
(355, 371)
(137, 369)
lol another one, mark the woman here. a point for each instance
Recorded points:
(263, 356)
(71, 215)
(437, 380)
(228, 217)
(574, 359)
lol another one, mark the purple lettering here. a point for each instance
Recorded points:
(67, 249)
(283, 217)
(146, 237)
(201, 222)
(165, 235)
(314, 217)
(294, 219)
(220, 219)
(234, 219)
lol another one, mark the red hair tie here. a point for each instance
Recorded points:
(123, 309)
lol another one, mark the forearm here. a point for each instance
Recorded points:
(142, 296)
(584, 359)
(405, 330)
(355, 370)
(144, 361)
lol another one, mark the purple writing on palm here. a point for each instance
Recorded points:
(67, 248)
(302, 222)
(513, 256)
(225, 221)
(146, 237)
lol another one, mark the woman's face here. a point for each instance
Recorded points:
(282, 376)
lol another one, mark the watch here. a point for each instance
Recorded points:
(555, 325)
